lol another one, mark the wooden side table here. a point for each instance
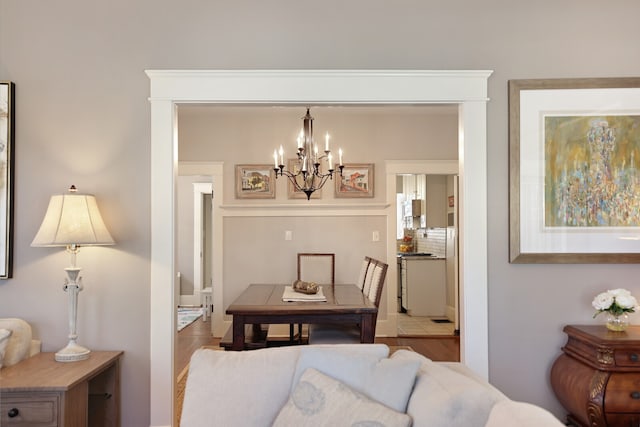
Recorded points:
(39, 392)
(597, 377)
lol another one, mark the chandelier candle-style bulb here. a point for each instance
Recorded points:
(307, 175)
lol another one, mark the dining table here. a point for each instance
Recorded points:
(262, 304)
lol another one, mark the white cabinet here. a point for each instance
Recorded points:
(424, 286)
(436, 201)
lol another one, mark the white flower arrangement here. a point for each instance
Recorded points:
(616, 302)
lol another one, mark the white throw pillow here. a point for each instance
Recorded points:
(443, 397)
(20, 340)
(319, 400)
(4, 341)
(385, 380)
(227, 388)
(248, 388)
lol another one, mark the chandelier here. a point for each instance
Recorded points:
(307, 175)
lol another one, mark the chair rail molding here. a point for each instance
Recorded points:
(169, 88)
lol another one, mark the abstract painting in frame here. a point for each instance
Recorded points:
(7, 124)
(255, 182)
(574, 171)
(357, 181)
(293, 192)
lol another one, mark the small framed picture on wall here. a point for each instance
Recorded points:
(255, 182)
(357, 180)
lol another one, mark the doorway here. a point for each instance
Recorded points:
(467, 89)
(193, 238)
(427, 262)
(201, 238)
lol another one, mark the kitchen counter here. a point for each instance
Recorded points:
(418, 255)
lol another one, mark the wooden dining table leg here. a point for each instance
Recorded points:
(238, 333)
(367, 332)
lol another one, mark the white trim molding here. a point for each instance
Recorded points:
(467, 89)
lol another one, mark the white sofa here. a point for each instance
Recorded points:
(16, 341)
(336, 385)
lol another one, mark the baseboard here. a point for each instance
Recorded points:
(190, 300)
(451, 313)
(386, 328)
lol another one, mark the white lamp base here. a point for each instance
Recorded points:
(72, 353)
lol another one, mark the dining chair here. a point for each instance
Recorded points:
(314, 267)
(350, 333)
(363, 272)
(317, 267)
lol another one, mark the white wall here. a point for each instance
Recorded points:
(83, 118)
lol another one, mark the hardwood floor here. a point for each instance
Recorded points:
(197, 334)
(420, 326)
(190, 339)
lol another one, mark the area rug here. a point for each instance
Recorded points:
(188, 315)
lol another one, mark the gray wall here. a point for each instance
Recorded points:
(83, 119)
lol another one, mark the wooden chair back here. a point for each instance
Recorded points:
(317, 267)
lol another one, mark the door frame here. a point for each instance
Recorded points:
(199, 190)
(169, 88)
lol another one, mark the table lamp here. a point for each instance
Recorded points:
(72, 220)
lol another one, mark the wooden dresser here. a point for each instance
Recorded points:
(597, 377)
(40, 392)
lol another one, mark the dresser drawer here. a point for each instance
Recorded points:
(622, 393)
(623, 420)
(627, 358)
(31, 410)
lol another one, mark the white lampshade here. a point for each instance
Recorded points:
(72, 219)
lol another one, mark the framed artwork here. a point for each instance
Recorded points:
(292, 165)
(7, 122)
(255, 182)
(356, 181)
(574, 171)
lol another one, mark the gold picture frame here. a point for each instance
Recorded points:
(255, 182)
(357, 181)
(572, 149)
